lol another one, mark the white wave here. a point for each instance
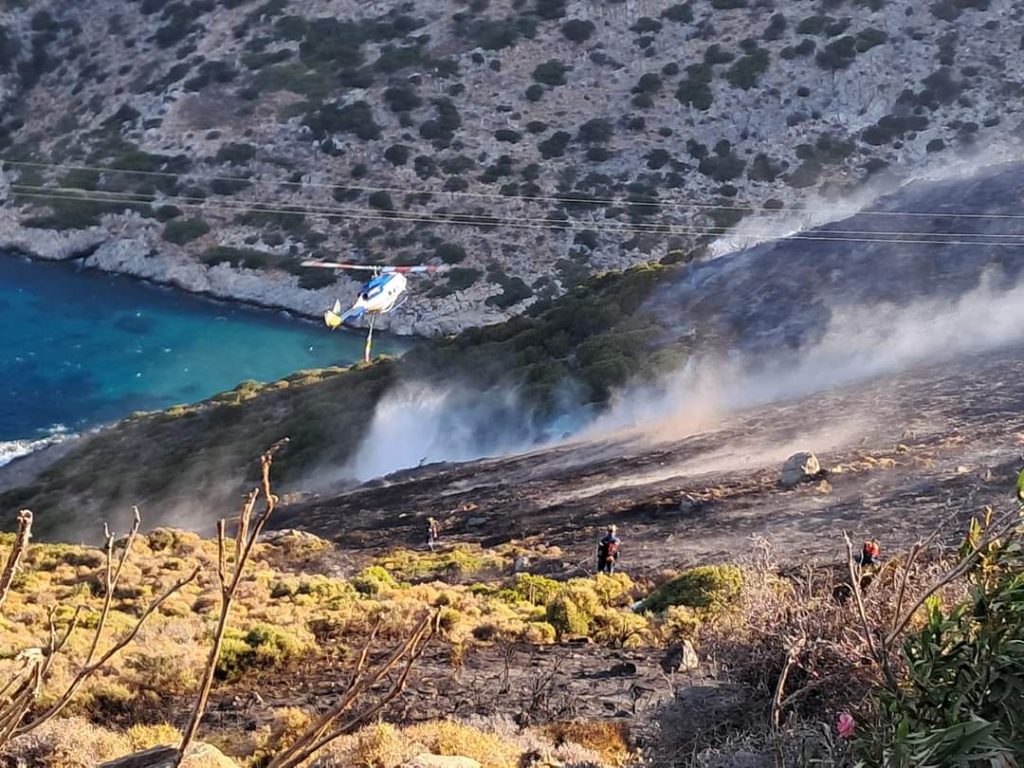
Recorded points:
(15, 449)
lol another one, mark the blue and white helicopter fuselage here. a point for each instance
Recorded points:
(378, 296)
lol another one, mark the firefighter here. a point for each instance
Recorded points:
(608, 551)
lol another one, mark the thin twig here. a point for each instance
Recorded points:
(17, 552)
(780, 686)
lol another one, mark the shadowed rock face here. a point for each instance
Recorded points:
(783, 294)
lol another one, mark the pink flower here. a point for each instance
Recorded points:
(846, 725)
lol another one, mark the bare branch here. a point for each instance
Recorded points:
(780, 687)
(17, 552)
(245, 539)
(319, 735)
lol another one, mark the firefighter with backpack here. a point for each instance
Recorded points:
(608, 551)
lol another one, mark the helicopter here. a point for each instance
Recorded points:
(378, 296)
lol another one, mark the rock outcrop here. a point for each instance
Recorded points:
(798, 468)
(199, 756)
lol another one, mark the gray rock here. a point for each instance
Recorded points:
(47, 244)
(199, 756)
(799, 467)
(680, 657)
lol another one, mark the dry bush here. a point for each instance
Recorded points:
(610, 741)
(798, 625)
(70, 742)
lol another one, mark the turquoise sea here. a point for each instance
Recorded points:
(80, 348)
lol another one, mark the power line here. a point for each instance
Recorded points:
(369, 214)
(482, 219)
(561, 199)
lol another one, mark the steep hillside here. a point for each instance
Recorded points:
(527, 143)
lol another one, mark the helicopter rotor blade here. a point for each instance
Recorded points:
(418, 269)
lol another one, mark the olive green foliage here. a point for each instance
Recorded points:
(708, 587)
(748, 69)
(551, 72)
(581, 607)
(538, 590)
(695, 89)
(964, 702)
(182, 231)
(263, 646)
(460, 560)
(67, 212)
(373, 581)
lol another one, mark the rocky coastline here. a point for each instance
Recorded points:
(137, 255)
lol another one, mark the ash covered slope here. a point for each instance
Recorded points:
(595, 107)
(938, 242)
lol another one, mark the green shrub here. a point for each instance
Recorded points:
(356, 118)
(554, 145)
(567, 618)
(550, 10)
(551, 72)
(373, 581)
(181, 231)
(838, 54)
(746, 72)
(450, 253)
(495, 34)
(167, 212)
(262, 647)
(960, 701)
(538, 590)
(514, 290)
(681, 13)
(240, 257)
(236, 154)
(869, 38)
(695, 89)
(380, 200)
(578, 30)
(708, 587)
(597, 130)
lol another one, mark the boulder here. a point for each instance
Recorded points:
(441, 761)
(799, 467)
(680, 657)
(199, 756)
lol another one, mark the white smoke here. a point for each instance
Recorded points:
(817, 210)
(419, 423)
(861, 342)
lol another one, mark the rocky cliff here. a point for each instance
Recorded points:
(214, 144)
